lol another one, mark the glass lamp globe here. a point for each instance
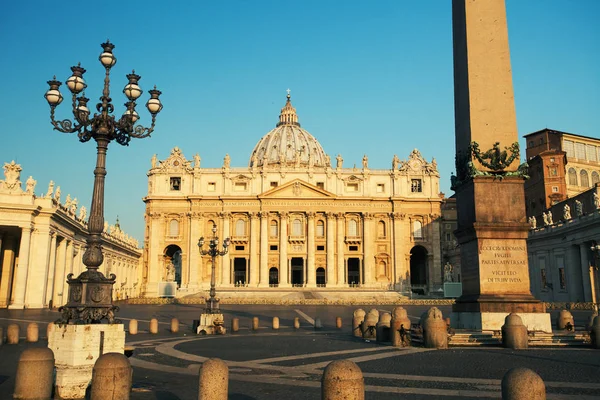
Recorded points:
(76, 83)
(108, 59)
(132, 91)
(53, 97)
(133, 114)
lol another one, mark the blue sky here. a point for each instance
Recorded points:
(366, 77)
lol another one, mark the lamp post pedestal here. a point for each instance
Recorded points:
(211, 324)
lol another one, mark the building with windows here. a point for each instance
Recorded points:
(43, 240)
(561, 166)
(295, 220)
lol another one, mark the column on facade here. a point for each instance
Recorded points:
(283, 241)
(225, 260)
(59, 278)
(264, 250)
(584, 250)
(22, 269)
(69, 270)
(330, 246)
(254, 262)
(341, 280)
(155, 261)
(193, 252)
(51, 268)
(399, 256)
(368, 244)
(310, 245)
(8, 269)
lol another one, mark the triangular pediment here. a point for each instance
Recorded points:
(297, 189)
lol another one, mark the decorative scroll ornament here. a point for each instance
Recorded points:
(495, 159)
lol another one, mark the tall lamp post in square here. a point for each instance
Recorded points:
(90, 294)
(211, 321)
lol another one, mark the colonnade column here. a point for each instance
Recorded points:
(341, 280)
(225, 263)
(584, 251)
(69, 269)
(21, 278)
(368, 257)
(8, 268)
(51, 268)
(330, 249)
(59, 278)
(283, 241)
(264, 250)
(399, 262)
(254, 262)
(310, 244)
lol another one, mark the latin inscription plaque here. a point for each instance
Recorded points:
(503, 266)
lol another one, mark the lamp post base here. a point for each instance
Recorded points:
(211, 324)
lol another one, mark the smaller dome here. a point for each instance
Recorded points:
(288, 144)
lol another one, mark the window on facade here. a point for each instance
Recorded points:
(541, 140)
(590, 152)
(273, 184)
(240, 227)
(595, 178)
(553, 171)
(563, 280)
(352, 187)
(552, 159)
(273, 247)
(320, 228)
(320, 248)
(572, 177)
(297, 228)
(448, 237)
(580, 151)
(212, 186)
(569, 148)
(381, 229)
(240, 186)
(273, 228)
(416, 186)
(240, 248)
(173, 227)
(321, 185)
(531, 143)
(380, 188)
(353, 248)
(352, 228)
(583, 178)
(175, 183)
(543, 276)
(417, 229)
(554, 189)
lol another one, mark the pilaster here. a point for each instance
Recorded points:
(254, 260)
(341, 273)
(283, 242)
(310, 244)
(330, 249)
(264, 250)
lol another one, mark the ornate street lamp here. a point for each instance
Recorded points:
(212, 303)
(90, 294)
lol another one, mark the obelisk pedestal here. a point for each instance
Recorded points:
(489, 185)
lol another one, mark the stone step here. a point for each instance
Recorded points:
(537, 339)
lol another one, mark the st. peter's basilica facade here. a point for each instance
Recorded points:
(296, 219)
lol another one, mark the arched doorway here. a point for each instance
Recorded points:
(273, 277)
(321, 277)
(353, 271)
(297, 271)
(418, 269)
(239, 271)
(172, 255)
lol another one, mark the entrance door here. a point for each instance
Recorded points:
(273, 277)
(239, 271)
(418, 269)
(321, 277)
(353, 271)
(297, 271)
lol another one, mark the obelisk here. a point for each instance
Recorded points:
(492, 228)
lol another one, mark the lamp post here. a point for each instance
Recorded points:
(90, 294)
(212, 303)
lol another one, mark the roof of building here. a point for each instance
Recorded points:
(560, 133)
(288, 144)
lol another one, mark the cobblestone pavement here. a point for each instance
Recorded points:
(288, 363)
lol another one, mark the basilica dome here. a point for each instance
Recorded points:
(288, 144)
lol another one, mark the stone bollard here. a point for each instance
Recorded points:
(154, 326)
(49, 329)
(111, 377)
(338, 322)
(318, 324)
(369, 327)
(12, 334)
(342, 379)
(235, 324)
(514, 333)
(400, 328)
(254, 323)
(383, 327)
(275, 323)
(296, 323)
(214, 380)
(33, 332)
(374, 311)
(523, 384)
(565, 321)
(133, 327)
(435, 332)
(35, 374)
(595, 334)
(174, 325)
(357, 319)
